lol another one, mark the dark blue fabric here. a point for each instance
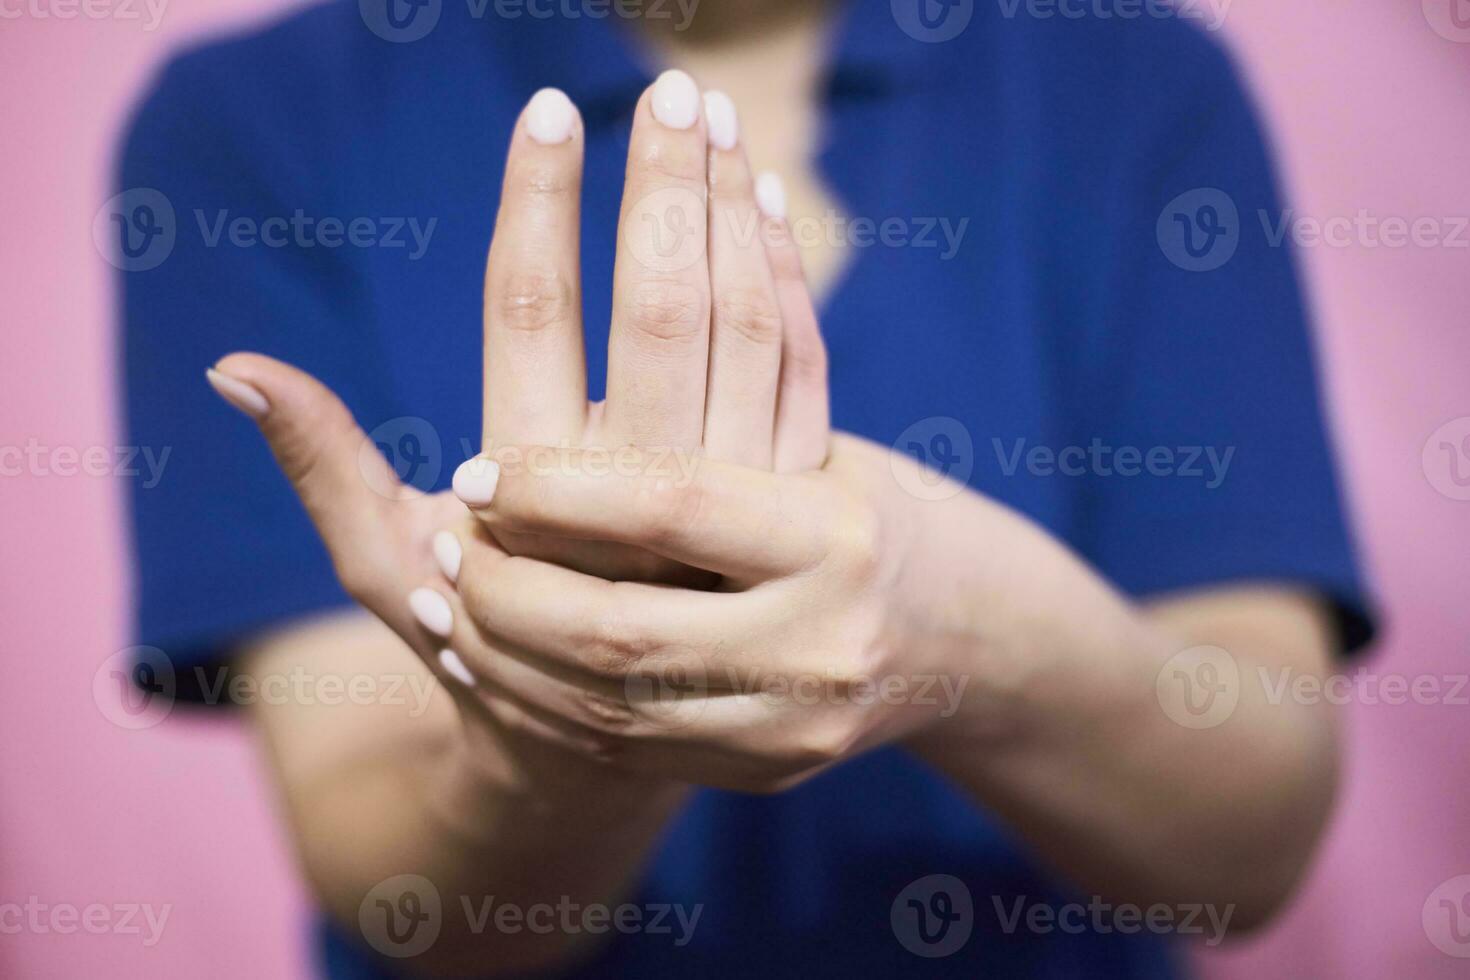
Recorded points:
(1060, 321)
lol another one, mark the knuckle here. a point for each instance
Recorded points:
(302, 444)
(668, 311)
(751, 313)
(533, 301)
(532, 181)
(668, 512)
(670, 162)
(734, 189)
(806, 361)
(614, 648)
(605, 712)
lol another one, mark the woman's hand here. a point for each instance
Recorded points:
(714, 351)
(799, 662)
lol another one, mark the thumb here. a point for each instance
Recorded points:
(316, 442)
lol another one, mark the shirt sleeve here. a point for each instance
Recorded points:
(222, 546)
(1208, 460)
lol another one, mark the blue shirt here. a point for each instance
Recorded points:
(1074, 307)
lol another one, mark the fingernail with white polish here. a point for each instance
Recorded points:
(246, 397)
(475, 481)
(550, 117)
(723, 121)
(432, 610)
(770, 194)
(676, 100)
(455, 667)
(448, 553)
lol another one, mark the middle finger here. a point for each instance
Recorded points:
(658, 346)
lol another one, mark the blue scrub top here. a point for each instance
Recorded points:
(1076, 307)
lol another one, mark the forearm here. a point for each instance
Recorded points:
(1066, 736)
(485, 848)
(487, 828)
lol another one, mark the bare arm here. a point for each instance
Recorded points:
(1105, 782)
(1135, 746)
(403, 786)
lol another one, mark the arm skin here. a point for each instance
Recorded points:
(476, 816)
(1072, 746)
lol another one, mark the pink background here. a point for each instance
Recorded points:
(1370, 113)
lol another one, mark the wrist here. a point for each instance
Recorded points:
(978, 604)
(1044, 645)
